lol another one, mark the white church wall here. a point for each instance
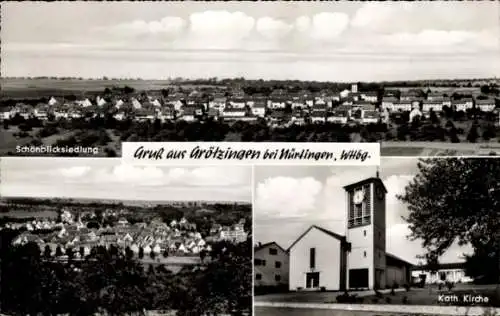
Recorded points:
(327, 260)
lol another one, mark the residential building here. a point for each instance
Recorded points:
(444, 272)
(271, 266)
(436, 106)
(485, 105)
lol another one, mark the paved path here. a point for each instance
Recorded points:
(376, 309)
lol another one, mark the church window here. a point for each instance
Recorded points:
(273, 251)
(277, 277)
(364, 254)
(277, 264)
(364, 233)
(312, 258)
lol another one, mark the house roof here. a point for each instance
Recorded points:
(441, 266)
(329, 233)
(366, 181)
(262, 246)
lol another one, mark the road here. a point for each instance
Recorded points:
(278, 311)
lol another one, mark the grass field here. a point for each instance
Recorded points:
(35, 88)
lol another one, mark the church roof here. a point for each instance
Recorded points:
(330, 233)
(397, 260)
(366, 181)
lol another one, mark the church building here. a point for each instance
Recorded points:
(324, 260)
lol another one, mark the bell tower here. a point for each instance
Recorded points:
(366, 232)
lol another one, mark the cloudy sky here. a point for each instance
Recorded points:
(290, 199)
(110, 179)
(336, 41)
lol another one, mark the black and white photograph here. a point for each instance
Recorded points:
(93, 236)
(413, 236)
(79, 78)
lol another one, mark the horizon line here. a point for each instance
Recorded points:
(219, 79)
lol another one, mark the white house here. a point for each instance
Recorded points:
(53, 101)
(119, 104)
(237, 103)
(402, 106)
(277, 103)
(451, 272)
(487, 105)
(259, 108)
(156, 249)
(429, 105)
(232, 113)
(369, 96)
(136, 104)
(100, 101)
(344, 93)
(388, 103)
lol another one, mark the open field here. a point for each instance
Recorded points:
(393, 148)
(13, 88)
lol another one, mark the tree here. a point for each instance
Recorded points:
(473, 134)
(152, 254)
(59, 251)
(455, 200)
(141, 252)
(203, 255)
(165, 253)
(47, 252)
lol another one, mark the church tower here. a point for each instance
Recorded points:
(365, 231)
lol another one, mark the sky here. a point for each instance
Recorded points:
(105, 178)
(288, 200)
(323, 41)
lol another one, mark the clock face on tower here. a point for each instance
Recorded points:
(358, 197)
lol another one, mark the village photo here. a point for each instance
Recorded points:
(80, 78)
(98, 237)
(382, 239)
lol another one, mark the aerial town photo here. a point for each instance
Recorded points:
(401, 239)
(397, 74)
(96, 237)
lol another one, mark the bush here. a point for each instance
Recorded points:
(346, 298)
(388, 300)
(407, 287)
(405, 300)
(450, 285)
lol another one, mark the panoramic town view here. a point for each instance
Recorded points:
(226, 72)
(392, 238)
(79, 253)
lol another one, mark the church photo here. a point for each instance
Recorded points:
(343, 228)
